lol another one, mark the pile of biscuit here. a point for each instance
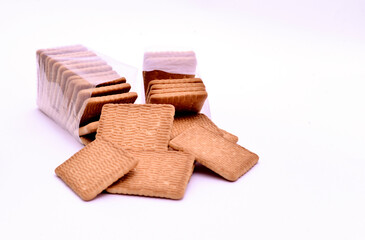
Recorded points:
(73, 85)
(151, 149)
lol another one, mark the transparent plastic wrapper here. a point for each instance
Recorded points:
(181, 83)
(74, 83)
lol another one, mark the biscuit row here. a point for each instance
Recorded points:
(131, 156)
(74, 83)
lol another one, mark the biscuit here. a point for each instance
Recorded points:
(100, 91)
(173, 90)
(157, 74)
(182, 101)
(94, 168)
(227, 159)
(77, 83)
(137, 126)
(157, 174)
(91, 109)
(172, 81)
(177, 85)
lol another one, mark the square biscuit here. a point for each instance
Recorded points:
(162, 174)
(182, 101)
(137, 126)
(94, 168)
(227, 159)
(173, 90)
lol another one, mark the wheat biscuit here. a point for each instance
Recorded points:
(158, 174)
(173, 90)
(183, 102)
(172, 81)
(229, 136)
(89, 128)
(137, 126)
(80, 84)
(92, 106)
(184, 122)
(177, 85)
(157, 74)
(228, 159)
(100, 91)
(94, 168)
(71, 105)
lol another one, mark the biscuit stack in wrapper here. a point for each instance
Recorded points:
(73, 85)
(151, 149)
(169, 79)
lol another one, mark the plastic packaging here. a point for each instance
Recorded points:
(74, 78)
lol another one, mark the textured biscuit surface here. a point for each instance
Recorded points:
(157, 174)
(228, 159)
(137, 126)
(94, 168)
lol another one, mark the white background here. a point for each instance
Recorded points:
(287, 77)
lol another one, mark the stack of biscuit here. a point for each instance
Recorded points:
(169, 79)
(73, 85)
